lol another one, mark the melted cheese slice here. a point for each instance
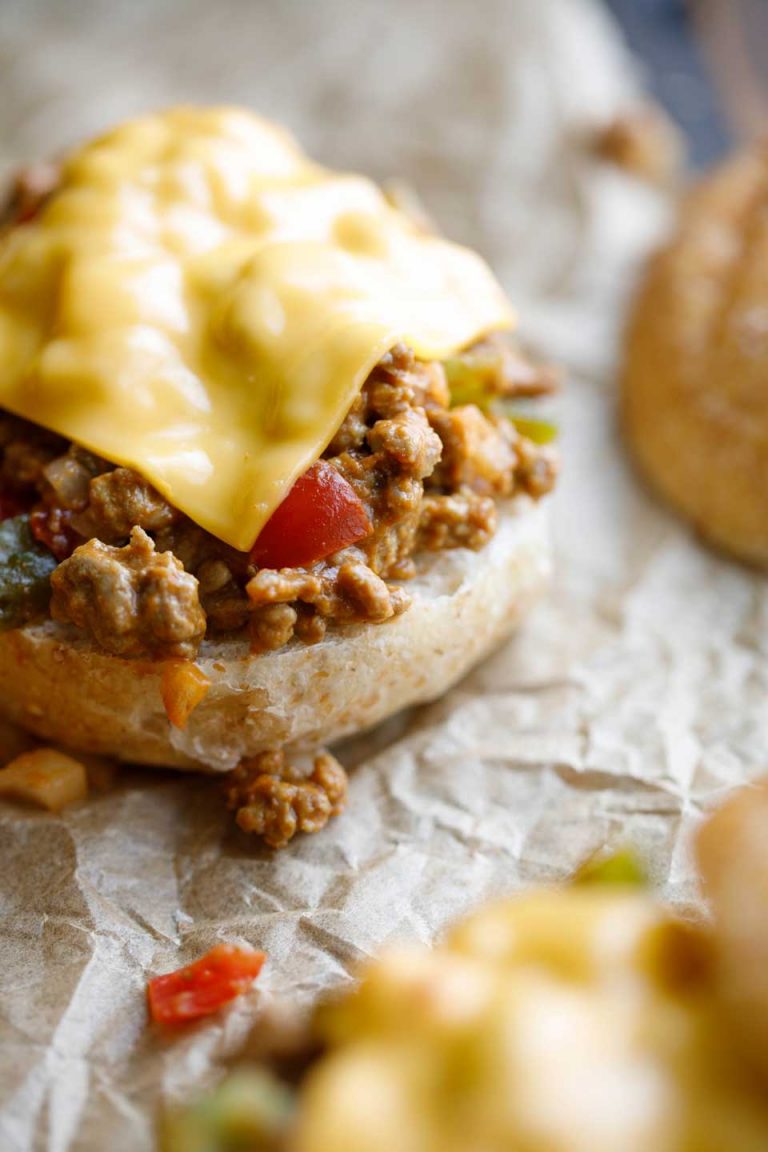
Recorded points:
(200, 302)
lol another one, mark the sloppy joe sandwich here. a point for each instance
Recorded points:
(265, 479)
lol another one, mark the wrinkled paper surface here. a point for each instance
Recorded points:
(631, 700)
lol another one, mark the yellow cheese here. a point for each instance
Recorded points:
(582, 1020)
(200, 302)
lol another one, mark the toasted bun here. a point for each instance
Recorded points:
(695, 389)
(62, 689)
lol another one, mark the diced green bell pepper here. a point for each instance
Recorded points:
(622, 868)
(248, 1112)
(25, 570)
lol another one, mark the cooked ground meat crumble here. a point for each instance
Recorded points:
(275, 800)
(141, 580)
(133, 601)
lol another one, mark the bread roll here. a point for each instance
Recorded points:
(62, 689)
(695, 386)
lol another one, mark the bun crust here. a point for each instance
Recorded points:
(695, 387)
(62, 689)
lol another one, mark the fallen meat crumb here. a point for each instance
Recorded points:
(275, 799)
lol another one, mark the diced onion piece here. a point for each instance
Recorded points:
(183, 686)
(45, 777)
(69, 479)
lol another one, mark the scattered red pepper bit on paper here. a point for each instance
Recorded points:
(204, 986)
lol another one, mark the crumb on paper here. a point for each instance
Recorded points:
(45, 777)
(275, 800)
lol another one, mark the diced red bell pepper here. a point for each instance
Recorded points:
(320, 515)
(203, 987)
(51, 526)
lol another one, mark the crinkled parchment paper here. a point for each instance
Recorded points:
(632, 699)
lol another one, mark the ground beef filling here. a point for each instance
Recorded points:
(141, 580)
(134, 601)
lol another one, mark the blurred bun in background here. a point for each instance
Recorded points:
(695, 403)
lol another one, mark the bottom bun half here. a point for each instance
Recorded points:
(464, 603)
